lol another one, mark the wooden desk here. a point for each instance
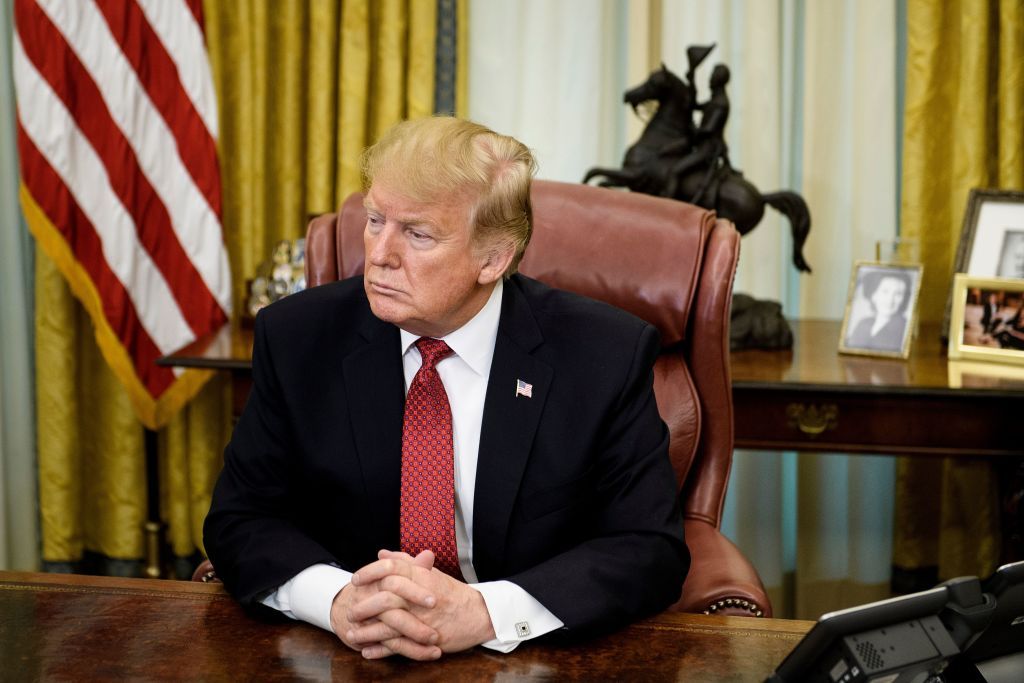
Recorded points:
(813, 399)
(810, 398)
(98, 628)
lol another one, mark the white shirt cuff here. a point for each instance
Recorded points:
(308, 596)
(515, 615)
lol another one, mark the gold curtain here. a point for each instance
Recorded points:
(963, 128)
(302, 86)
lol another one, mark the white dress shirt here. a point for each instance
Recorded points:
(515, 614)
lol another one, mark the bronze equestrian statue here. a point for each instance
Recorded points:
(678, 159)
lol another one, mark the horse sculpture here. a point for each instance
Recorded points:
(675, 158)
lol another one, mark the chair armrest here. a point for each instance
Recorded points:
(721, 579)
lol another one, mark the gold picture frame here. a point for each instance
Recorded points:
(979, 374)
(987, 319)
(869, 331)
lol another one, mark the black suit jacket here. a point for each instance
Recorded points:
(575, 497)
(988, 317)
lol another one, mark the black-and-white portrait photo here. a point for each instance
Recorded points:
(1011, 255)
(880, 310)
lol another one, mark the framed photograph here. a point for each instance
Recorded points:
(987, 321)
(880, 308)
(991, 239)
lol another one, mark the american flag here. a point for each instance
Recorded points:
(524, 389)
(117, 129)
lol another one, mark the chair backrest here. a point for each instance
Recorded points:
(667, 262)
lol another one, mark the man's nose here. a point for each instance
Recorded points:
(382, 248)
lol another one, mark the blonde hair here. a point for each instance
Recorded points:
(437, 157)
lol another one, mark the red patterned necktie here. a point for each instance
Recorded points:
(427, 517)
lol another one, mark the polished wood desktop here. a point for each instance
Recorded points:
(811, 398)
(63, 627)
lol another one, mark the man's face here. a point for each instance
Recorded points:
(424, 272)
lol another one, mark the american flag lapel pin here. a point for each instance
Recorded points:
(523, 389)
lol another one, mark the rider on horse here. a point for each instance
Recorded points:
(710, 150)
(672, 154)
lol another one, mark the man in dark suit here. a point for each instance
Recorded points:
(990, 314)
(443, 453)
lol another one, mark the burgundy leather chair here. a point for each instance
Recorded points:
(671, 264)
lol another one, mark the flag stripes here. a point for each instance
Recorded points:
(196, 8)
(117, 136)
(88, 250)
(87, 33)
(181, 37)
(75, 161)
(158, 73)
(77, 92)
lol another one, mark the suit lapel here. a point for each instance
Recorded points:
(375, 388)
(508, 428)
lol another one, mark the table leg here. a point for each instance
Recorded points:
(154, 526)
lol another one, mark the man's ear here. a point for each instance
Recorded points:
(497, 257)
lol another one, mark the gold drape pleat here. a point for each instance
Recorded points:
(462, 61)
(302, 86)
(963, 128)
(89, 490)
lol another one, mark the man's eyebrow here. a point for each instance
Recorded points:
(404, 220)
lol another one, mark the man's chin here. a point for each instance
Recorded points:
(386, 310)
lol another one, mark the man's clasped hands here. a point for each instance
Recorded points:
(402, 605)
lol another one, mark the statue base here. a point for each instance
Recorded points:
(758, 324)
